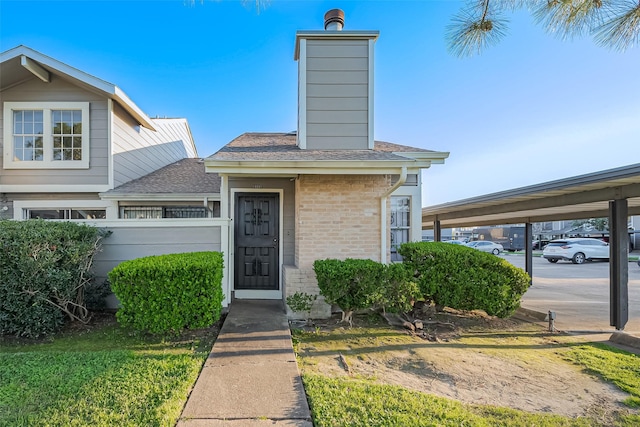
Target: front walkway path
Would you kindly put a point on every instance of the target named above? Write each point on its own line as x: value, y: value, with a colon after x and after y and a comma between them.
x: 251, y: 377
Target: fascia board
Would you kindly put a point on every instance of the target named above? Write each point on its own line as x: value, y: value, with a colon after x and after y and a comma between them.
x: 280, y: 169
x: 435, y: 157
x: 181, y: 197
x: 329, y: 35
x: 108, y: 89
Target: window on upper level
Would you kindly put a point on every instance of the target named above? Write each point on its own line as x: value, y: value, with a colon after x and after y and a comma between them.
x: 46, y: 135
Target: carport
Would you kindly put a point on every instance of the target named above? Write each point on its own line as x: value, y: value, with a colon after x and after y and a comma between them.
x: 612, y: 193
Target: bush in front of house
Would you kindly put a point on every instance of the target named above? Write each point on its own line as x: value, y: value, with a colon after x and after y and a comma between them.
x: 356, y: 284
x: 44, y: 269
x: 351, y: 284
x: 165, y: 294
x: 464, y: 278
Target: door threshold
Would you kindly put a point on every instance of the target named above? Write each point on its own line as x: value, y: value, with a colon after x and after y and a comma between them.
x: 256, y: 294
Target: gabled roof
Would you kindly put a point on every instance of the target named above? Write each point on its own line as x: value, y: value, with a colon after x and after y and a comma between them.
x: 183, y: 179
x: 23, y: 63
x: 274, y: 153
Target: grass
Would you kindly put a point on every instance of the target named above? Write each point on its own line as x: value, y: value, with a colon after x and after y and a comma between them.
x: 616, y: 366
x: 102, y: 377
x: 337, y: 399
x: 340, y: 402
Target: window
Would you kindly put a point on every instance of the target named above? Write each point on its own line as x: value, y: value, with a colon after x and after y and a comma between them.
x: 157, y: 212
x: 46, y: 135
x: 64, y: 213
x: 400, y: 224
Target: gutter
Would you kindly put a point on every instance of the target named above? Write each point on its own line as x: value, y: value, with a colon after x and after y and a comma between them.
x: 383, y: 213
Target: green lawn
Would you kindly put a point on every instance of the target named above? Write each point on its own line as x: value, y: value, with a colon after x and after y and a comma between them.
x: 104, y: 377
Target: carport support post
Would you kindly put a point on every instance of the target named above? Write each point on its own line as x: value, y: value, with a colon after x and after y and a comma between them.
x: 528, y: 250
x: 437, y: 231
x: 619, y: 263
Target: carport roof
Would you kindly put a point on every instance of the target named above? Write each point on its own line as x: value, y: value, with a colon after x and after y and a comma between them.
x: 578, y: 197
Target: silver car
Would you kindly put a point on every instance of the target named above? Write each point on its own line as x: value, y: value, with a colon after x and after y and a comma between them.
x: 486, y: 246
x: 577, y: 250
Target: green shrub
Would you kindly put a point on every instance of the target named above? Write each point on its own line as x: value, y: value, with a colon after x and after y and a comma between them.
x: 352, y: 284
x: 168, y: 293
x: 464, y: 278
x: 44, y: 268
x: 398, y: 289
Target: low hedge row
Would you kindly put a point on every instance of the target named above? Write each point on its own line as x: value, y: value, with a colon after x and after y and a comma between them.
x: 448, y: 275
x: 165, y: 294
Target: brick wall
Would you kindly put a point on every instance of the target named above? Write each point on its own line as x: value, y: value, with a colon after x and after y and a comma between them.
x: 337, y: 217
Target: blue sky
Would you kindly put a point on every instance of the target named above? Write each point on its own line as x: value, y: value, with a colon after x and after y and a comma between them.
x: 531, y: 109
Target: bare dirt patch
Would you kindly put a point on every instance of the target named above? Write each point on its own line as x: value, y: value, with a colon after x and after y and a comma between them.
x: 470, y: 357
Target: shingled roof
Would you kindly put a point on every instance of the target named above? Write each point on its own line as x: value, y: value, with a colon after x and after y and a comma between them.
x: 186, y: 176
x: 283, y: 147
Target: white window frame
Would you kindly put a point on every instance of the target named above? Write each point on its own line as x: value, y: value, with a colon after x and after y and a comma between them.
x: 47, y: 162
x: 403, y: 227
x: 21, y: 208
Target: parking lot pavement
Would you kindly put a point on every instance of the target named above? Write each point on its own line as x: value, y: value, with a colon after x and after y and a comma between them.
x: 578, y: 294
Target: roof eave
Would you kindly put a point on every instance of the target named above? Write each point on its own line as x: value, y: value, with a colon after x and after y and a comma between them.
x: 317, y: 167
x: 107, y: 89
x: 114, y: 195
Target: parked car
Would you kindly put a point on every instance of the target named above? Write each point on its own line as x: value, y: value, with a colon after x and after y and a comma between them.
x: 486, y: 246
x: 455, y: 242
x: 577, y: 250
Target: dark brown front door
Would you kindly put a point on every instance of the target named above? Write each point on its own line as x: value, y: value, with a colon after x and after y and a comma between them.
x: 256, y: 241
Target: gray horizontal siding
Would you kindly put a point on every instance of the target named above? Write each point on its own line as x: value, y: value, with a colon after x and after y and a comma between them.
x: 129, y: 243
x: 337, y: 94
x: 60, y: 90
x: 337, y: 49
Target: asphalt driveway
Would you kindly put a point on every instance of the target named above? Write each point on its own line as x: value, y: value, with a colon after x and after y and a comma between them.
x: 579, y: 294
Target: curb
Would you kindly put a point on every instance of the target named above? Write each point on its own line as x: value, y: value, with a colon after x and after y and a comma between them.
x: 625, y: 339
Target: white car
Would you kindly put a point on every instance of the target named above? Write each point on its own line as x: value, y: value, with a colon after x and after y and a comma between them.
x: 577, y: 250
x: 486, y: 246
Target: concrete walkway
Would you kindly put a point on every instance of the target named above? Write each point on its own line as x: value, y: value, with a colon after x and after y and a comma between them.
x: 251, y: 377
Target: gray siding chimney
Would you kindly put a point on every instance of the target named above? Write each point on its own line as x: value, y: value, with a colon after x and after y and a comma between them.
x: 335, y: 86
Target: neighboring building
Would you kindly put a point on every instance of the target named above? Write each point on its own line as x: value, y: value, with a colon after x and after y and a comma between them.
x: 68, y: 136
x: 328, y: 190
x: 75, y: 147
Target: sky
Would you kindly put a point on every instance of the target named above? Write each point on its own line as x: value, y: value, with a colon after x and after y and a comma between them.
x: 532, y: 109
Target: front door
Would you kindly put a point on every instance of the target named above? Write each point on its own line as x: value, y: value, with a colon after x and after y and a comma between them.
x: 256, y: 242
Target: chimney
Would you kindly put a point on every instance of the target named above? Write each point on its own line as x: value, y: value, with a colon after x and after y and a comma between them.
x: 334, y: 20
x: 335, y: 86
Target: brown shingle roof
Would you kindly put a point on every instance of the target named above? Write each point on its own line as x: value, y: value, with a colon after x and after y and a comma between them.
x: 282, y: 147
x: 186, y: 176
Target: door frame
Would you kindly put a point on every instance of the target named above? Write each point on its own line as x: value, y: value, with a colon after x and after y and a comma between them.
x: 248, y: 293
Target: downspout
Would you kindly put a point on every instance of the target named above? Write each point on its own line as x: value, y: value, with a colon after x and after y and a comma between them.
x: 383, y: 213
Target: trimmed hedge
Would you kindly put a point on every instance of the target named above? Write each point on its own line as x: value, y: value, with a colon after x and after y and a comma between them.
x: 168, y: 293
x: 464, y: 278
x: 351, y: 284
x: 355, y: 284
x: 44, y: 268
